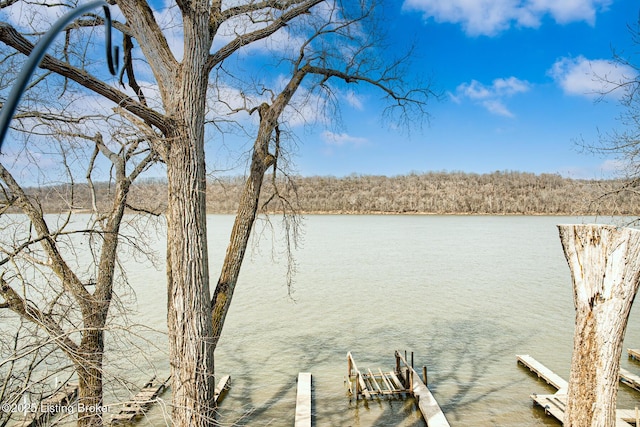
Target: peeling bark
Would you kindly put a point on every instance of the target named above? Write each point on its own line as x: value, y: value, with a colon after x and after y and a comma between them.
x: 605, y: 268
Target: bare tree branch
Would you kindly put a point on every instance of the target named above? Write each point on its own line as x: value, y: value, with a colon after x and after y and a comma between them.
x: 261, y: 33
x: 12, y: 38
x: 17, y: 304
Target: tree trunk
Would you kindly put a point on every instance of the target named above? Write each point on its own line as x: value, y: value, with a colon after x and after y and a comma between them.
x: 89, y: 369
x: 189, y: 309
x: 605, y: 268
x: 189, y: 313
x: 261, y: 160
x: 240, y: 233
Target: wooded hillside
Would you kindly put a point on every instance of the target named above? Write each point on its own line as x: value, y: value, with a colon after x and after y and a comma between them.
x: 433, y: 192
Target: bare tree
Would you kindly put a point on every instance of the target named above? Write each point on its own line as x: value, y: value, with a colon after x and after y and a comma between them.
x: 32, y: 368
x: 337, y: 43
x: 319, y: 61
x: 622, y: 144
x: 45, y: 279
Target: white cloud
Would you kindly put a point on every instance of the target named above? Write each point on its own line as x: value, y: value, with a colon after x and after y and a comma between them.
x: 339, y: 139
x: 590, y: 78
x: 492, y: 97
x: 497, y: 107
x: 353, y: 100
x: 490, y: 17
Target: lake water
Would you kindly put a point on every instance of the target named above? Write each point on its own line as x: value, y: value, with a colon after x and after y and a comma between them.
x: 464, y: 293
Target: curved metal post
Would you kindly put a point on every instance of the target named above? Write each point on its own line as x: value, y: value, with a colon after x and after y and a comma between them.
x: 6, y: 114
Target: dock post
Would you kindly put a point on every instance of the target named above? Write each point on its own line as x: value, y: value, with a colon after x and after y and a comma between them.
x: 424, y: 374
x: 412, y: 359
x: 397, y: 363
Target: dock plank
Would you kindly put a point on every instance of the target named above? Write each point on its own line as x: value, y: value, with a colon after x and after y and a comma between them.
x: 633, y: 353
x: 51, y: 405
x: 386, y: 381
x: 374, y: 383
x: 303, y: 400
x: 396, y: 381
x: 221, y: 387
x: 359, y: 380
x: 543, y: 372
x: 555, y: 405
x: 427, y: 404
x: 137, y: 406
x: 626, y: 415
x: 630, y: 379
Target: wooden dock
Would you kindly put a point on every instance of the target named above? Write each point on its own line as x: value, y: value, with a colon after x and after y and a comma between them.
x: 370, y: 384
x: 629, y: 379
x: 543, y: 372
x: 555, y: 404
x: 149, y: 394
x: 633, y: 353
x: 222, y: 386
x: 303, y: 400
x: 402, y: 382
x: 428, y: 405
x: 50, y: 406
x: 140, y: 402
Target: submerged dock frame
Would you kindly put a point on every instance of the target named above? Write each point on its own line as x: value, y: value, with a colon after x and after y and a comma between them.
x: 401, y: 382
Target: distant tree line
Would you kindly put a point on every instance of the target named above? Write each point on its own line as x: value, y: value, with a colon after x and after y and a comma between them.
x: 498, y: 193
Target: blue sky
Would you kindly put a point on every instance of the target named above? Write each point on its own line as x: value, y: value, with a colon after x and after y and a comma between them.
x: 518, y: 84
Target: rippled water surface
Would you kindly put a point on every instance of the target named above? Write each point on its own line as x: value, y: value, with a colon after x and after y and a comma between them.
x: 464, y: 293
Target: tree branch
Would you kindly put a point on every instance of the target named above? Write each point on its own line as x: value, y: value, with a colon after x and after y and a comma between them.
x: 127, y: 46
x: 10, y: 37
x: 70, y: 281
x: 261, y: 33
x: 18, y: 305
x: 151, y: 40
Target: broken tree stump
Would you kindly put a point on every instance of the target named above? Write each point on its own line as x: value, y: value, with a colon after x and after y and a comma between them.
x: 605, y: 270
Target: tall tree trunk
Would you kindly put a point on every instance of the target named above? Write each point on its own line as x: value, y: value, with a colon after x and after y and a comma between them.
x: 189, y: 309
x: 189, y: 314
x: 605, y: 268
